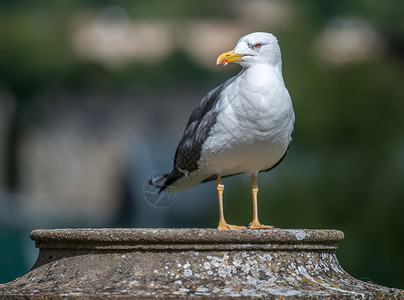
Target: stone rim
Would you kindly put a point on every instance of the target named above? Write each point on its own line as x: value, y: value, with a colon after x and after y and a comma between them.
x: 187, y: 239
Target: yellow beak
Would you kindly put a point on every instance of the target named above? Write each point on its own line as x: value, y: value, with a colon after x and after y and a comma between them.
x: 227, y: 57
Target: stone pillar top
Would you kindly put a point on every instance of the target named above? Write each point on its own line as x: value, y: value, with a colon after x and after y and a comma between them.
x: 187, y: 238
x: 191, y: 264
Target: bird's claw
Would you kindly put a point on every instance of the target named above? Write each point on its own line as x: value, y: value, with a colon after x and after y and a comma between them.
x: 225, y: 226
x: 258, y: 225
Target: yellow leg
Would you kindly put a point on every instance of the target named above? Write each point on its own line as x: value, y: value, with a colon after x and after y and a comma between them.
x: 222, y: 222
x: 255, y: 224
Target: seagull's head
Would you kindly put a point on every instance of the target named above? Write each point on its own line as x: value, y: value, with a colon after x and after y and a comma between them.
x: 254, y: 48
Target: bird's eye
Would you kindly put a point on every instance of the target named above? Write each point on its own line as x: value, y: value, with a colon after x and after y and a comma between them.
x: 257, y: 46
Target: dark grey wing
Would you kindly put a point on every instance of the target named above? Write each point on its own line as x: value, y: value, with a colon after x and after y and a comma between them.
x: 197, y: 131
x: 206, y: 106
x: 189, y: 149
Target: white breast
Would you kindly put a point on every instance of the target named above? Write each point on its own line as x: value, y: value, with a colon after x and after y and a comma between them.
x: 254, y: 124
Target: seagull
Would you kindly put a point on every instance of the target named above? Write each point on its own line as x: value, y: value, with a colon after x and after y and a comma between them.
x: 244, y: 125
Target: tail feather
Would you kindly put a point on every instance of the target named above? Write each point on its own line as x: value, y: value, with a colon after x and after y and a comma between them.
x: 158, y: 182
x: 167, y: 180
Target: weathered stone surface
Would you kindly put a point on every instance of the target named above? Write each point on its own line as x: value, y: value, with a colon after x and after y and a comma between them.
x: 194, y: 263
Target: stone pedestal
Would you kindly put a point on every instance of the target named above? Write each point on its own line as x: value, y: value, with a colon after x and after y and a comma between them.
x: 194, y: 263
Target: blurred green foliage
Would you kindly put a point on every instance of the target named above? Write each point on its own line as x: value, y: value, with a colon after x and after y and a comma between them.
x: 345, y: 168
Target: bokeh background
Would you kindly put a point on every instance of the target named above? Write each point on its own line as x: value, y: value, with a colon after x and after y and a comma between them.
x: 94, y: 96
